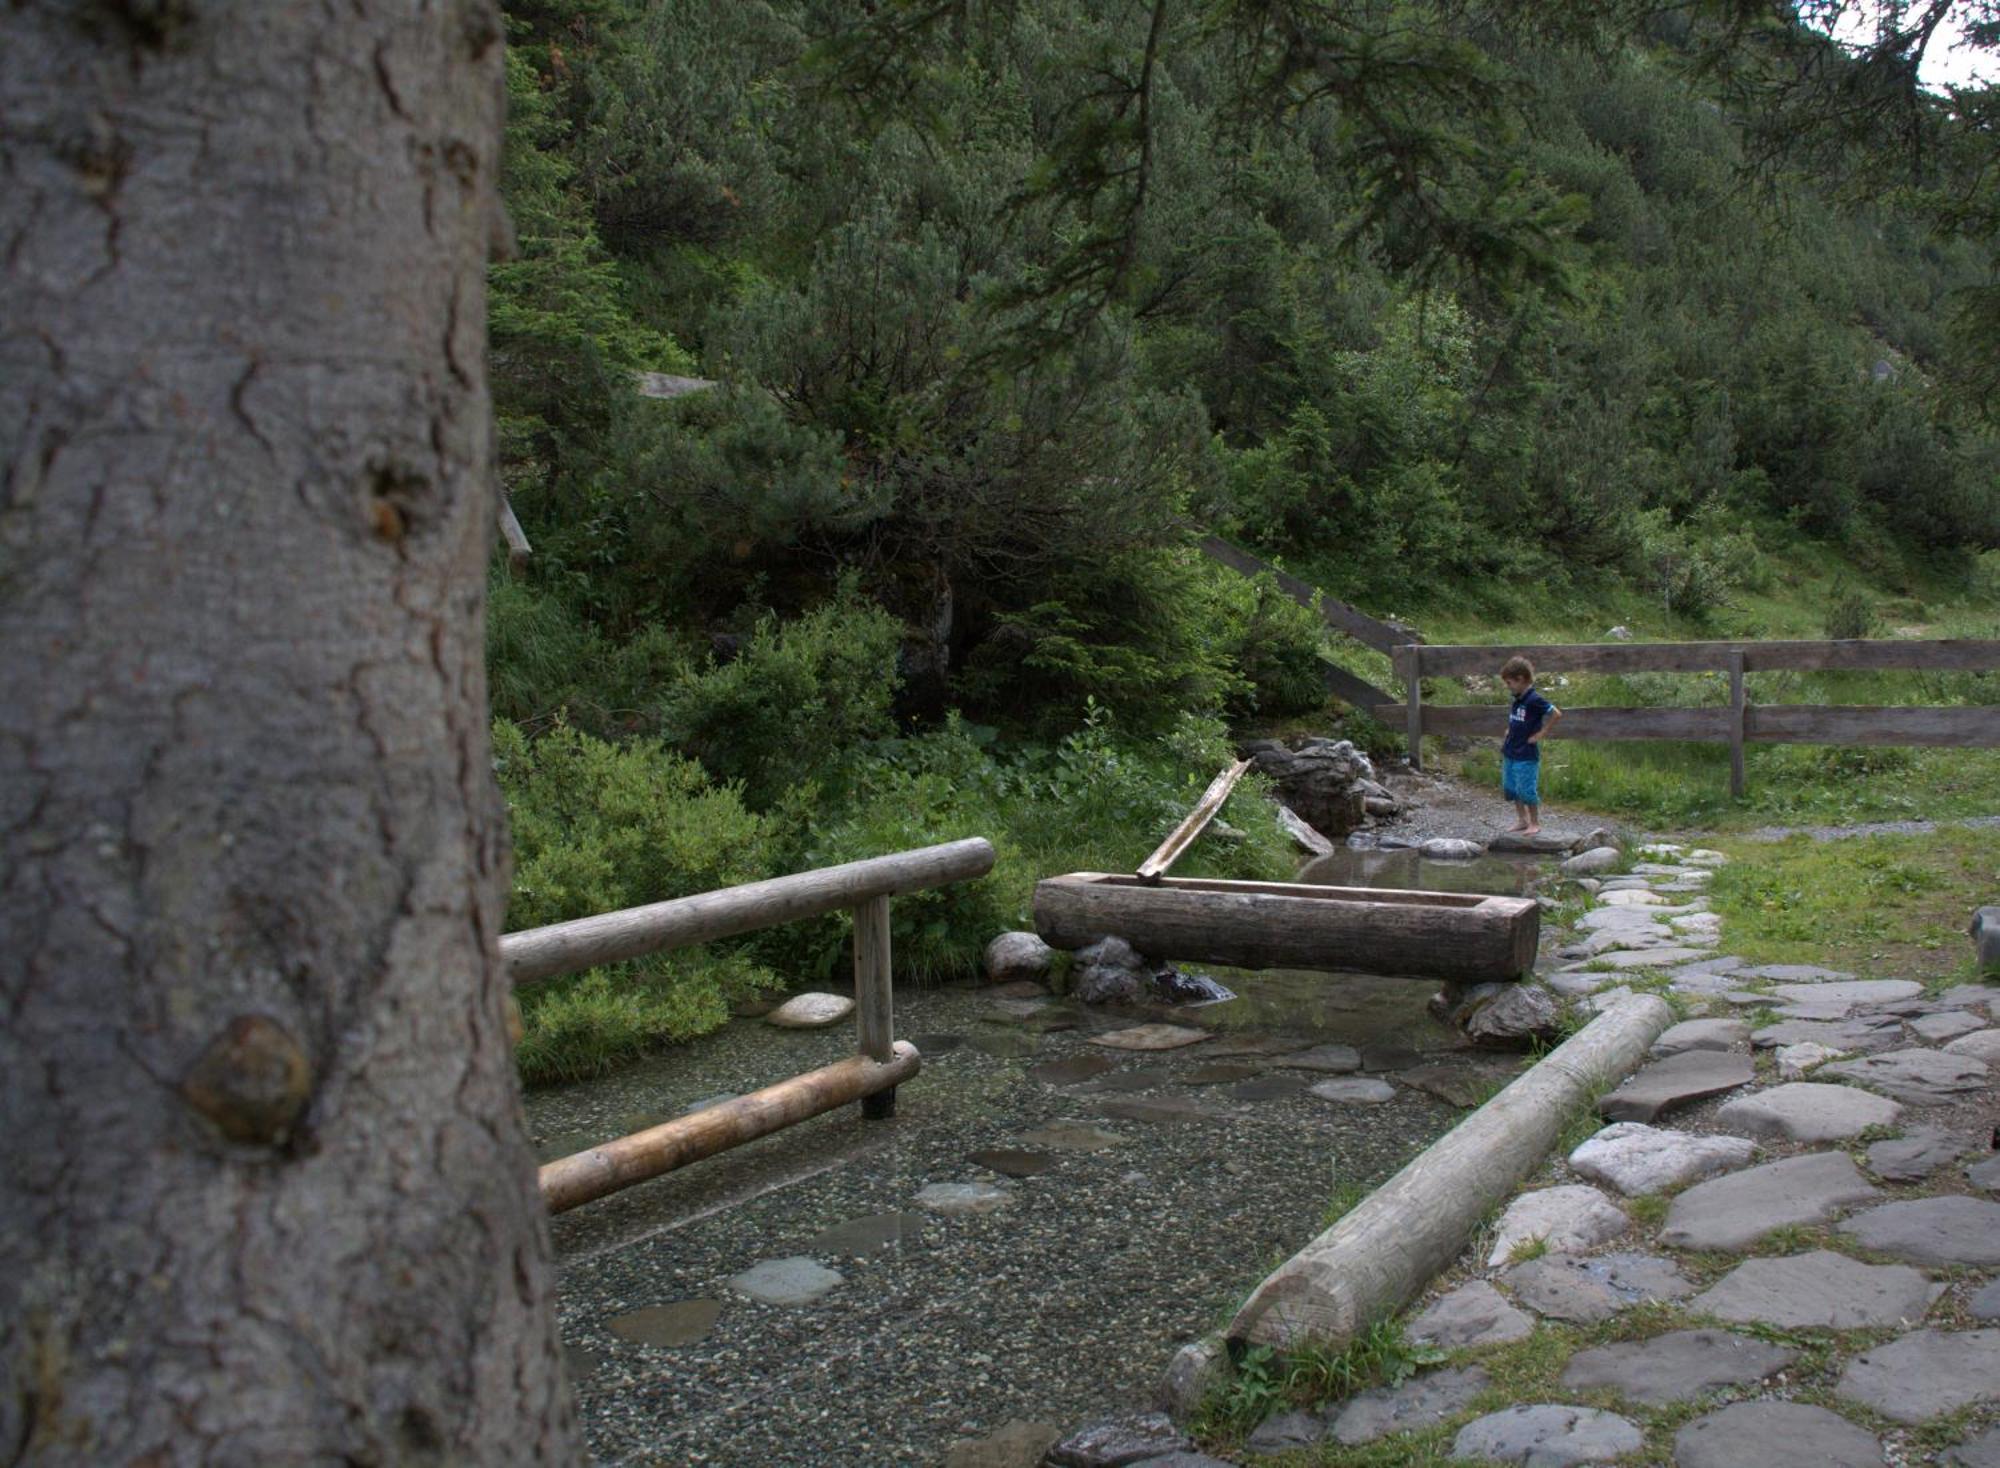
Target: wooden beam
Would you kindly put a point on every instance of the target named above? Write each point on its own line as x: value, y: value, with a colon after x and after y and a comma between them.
x: 1962, y: 654
x: 561, y: 948
x: 1765, y: 723
x: 874, y: 995
x: 1380, y: 635
x: 1192, y: 824
x: 1385, y: 1252
x: 1295, y: 925
x: 1408, y: 668
x: 667, y: 385
x: 1736, y: 725
x: 1349, y: 689
x: 518, y: 549
x: 592, y: 1174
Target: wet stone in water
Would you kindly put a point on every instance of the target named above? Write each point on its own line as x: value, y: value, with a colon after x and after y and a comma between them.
x: 1163, y: 1109
x: 683, y: 1323
x: 932, y: 1046
x: 1145, y: 1078
x: 1269, y: 1088
x: 1074, y: 1136
x: 794, y: 1281
x: 869, y: 1235
x: 1218, y: 1075
x: 1151, y: 1037
x: 1336, y: 1059
x: 1355, y: 1090
x: 1459, y: 1085
x: 1014, y: 1162
x: 958, y: 1199
x: 1004, y: 1044
x: 581, y: 1365
x: 1072, y: 1069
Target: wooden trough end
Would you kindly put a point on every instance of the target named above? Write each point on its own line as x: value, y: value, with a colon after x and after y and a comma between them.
x: 1378, y: 930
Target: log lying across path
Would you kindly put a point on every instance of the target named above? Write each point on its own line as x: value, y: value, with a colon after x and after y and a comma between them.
x: 1383, y: 1254
x: 1377, y: 930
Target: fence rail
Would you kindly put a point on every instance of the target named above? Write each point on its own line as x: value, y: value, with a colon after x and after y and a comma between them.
x: 1736, y: 724
x: 870, y: 1077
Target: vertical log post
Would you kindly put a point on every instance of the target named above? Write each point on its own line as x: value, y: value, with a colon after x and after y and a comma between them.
x: 1736, y: 780
x: 874, y: 997
x: 1409, y: 666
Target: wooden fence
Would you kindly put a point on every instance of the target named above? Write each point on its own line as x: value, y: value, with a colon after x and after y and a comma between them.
x: 1738, y: 723
x: 870, y: 1077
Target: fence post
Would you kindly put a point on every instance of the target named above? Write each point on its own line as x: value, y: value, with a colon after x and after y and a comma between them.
x: 874, y: 997
x: 1409, y: 664
x: 1736, y: 780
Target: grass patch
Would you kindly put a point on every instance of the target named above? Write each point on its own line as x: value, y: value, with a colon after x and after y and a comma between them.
x: 1889, y: 903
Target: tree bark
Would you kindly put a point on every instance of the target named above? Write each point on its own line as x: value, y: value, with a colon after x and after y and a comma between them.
x: 265, y: 1195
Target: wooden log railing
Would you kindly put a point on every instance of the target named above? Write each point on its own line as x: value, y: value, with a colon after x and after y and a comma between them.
x: 1737, y: 724
x: 870, y: 1077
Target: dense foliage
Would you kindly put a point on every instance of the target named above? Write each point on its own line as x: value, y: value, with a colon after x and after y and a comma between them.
x: 1002, y: 301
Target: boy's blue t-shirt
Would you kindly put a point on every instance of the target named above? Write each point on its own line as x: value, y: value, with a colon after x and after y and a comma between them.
x: 1525, y: 718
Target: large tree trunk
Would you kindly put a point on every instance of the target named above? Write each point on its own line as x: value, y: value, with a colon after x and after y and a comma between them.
x: 264, y: 1191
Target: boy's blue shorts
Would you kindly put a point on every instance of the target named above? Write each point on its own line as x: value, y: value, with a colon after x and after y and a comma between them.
x: 1519, y: 780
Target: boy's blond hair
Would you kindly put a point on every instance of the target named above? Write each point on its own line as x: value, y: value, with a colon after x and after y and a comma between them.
x: 1518, y: 667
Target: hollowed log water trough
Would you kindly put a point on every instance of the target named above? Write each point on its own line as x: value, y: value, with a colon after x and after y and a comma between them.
x: 1467, y: 937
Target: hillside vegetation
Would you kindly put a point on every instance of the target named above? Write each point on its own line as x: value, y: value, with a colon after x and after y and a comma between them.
x: 1470, y: 321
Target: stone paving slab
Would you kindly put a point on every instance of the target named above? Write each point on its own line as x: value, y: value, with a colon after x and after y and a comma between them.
x: 1852, y: 991
x: 1676, y: 1081
x: 1677, y: 1365
x: 1980, y: 1045
x: 1915, y: 1155
x: 1565, y: 1219
x: 1916, y: 1077
x: 1775, y: 1435
x: 1548, y: 1436
x: 1637, y: 1159
x: 1702, y: 1034
x: 1947, y: 1230
x: 1151, y: 1037
x: 1938, y: 1028
x: 1805, y: 1111
x: 1418, y: 1402
x: 1982, y: 1451
x: 1985, y: 1175
x: 1474, y: 1314
x: 1985, y: 1302
x: 1565, y: 1287
x: 1821, y: 1288
x: 1862, y: 1033
x: 1795, y: 973
x: 1925, y: 1374
x: 1117, y: 1443
x: 1733, y: 1212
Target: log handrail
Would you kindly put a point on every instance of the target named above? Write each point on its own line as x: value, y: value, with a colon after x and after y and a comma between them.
x: 1959, y: 654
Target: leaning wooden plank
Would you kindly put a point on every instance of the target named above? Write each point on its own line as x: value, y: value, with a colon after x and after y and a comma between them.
x: 583, y: 1176
x: 1337, y: 614
x: 667, y: 385
x: 1192, y: 824
x: 632, y: 932
x: 1942, y: 654
x: 518, y: 549
x: 1349, y: 689
x: 1976, y: 727
x: 1432, y: 935
x: 1381, y: 1255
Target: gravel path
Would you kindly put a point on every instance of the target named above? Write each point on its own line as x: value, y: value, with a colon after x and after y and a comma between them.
x: 1868, y: 828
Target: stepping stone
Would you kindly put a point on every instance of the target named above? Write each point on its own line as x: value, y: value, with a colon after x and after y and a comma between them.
x: 957, y: 1200
x: 1733, y: 1212
x: 1925, y: 1374
x: 1812, y: 1010
x: 1593, y: 862
x: 1474, y: 1314
x: 1975, y: 1452
x: 1021, y: 1008
x: 1726, y: 964
x: 1219, y: 1075
x: 1004, y: 1044
x: 1916, y: 1155
x: 1703, y: 1034
x: 1643, y: 897
x: 1775, y: 1435
x: 1018, y: 988
x: 871, y: 1235
x: 811, y: 1012
x: 1985, y: 1302
x: 1145, y: 1078
x: 1151, y: 1037
x: 1820, y: 1289
x: 1596, y: 1288
x: 1676, y: 1081
x: 1794, y: 973
x: 1123, y: 1440
x: 1676, y: 1366
x: 1161, y: 1110
x: 1612, y: 940
x: 1642, y: 958
x: 932, y: 1046
x: 1702, y: 857
x: 683, y: 1323
x: 1598, y: 1003
x: 1419, y: 1402
x: 1567, y: 1219
x: 1548, y: 1435
x: 1602, y: 919
x: 1462, y: 1086
x: 580, y: 1365
x: 1070, y: 1070
x: 1355, y: 1090
x: 1795, y: 1062
x: 1804, y: 1111
x: 1949, y: 1230
x: 1855, y: 991
x: 1637, y: 1159
x: 1074, y: 1136
x: 1985, y: 1175
x: 1013, y: 1161
x: 1982, y: 1045
x: 1860, y: 1034
x: 1289, y: 1430
x: 794, y: 1281
x: 1233, y: 1045
x: 1938, y: 1028
x: 1918, y: 1077
x: 1541, y: 843
x: 1269, y: 1088
x: 1013, y: 1444
x: 1334, y: 1059
x: 1389, y: 1057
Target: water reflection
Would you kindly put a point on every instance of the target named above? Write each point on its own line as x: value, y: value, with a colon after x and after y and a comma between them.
x: 1349, y: 867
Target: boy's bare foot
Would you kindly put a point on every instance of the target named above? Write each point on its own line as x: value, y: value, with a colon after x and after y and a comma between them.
x: 1518, y: 828
x: 1529, y: 830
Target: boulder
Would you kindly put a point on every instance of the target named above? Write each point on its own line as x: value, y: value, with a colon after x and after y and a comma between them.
x: 811, y: 1011
x: 1501, y: 1016
x: 1013, y: 958
x: 1450, y: 848
x: 1111, y: 971
x: 1320, y: 779
x: 1594, y: 862
x: 1985, y: 930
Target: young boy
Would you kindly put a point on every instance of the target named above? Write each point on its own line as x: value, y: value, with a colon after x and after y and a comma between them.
x: 1528, y: 720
